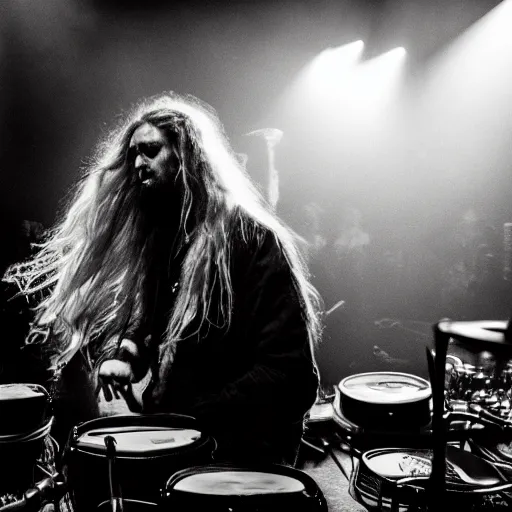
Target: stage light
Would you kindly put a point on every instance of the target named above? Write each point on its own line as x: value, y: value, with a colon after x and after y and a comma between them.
x: 396, y: 54
x: 332, y: 68
x: 375, y: 82
x: 399, y: 52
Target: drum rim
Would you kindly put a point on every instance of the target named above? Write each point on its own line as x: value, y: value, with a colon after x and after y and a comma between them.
x: 135, y: 419
x: 147, y: 420
x: 131, y: 500
x: 422, y: 394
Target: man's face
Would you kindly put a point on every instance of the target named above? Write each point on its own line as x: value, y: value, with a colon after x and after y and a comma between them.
x: 153, y: 158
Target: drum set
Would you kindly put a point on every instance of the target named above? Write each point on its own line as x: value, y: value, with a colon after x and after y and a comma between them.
x: 131, y: 463
x: 385, y: 422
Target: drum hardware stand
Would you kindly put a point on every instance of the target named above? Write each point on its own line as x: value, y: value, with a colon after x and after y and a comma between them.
x: 116, y: 497
x: 319, y: 442
x: 328, y: 449
x: 33, y: 496
x: 47, y: 487
x: 346, y: 445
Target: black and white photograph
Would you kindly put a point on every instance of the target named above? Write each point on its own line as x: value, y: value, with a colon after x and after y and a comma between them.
x: 255, y: 255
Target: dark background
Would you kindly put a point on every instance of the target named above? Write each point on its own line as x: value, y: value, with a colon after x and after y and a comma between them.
x: 431, y: 186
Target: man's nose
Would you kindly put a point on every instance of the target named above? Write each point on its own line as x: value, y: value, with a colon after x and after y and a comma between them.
x: 139, y: 162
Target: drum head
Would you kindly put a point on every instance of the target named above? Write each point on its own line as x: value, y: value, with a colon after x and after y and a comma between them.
x: 137, y: 440
x: 244, y: 489
x: 241, y: 483
x: 21, y: 391
x: 386, y: 388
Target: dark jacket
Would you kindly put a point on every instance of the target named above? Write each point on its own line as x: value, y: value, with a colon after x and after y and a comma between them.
x: 250, y: 385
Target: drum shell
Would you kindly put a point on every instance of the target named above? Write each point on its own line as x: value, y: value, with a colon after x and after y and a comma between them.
x: 23, y: 414
x: 141, y: 476
x: 309, y: 500
x: 380, y: 417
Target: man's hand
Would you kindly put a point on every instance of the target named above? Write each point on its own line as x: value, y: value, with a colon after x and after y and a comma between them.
x: 115, y: 378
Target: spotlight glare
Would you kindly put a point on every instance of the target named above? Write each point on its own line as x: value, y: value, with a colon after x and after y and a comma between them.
x: 358, y: 45
x: 397, y: 53
x: 346, y: 55
x: 332, y: 67
x: 400, y: 51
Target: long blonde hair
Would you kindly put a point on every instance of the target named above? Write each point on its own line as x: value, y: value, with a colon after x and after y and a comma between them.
x: 96, y: 259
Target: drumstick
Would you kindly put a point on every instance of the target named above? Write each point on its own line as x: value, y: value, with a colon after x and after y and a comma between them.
x: 335, y: 307
x: 116, y: 498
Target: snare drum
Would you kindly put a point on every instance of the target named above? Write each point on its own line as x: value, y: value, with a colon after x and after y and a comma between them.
x: 148, y: 449
x: 224, y: 488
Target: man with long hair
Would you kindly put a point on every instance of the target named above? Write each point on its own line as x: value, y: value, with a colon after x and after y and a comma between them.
x: 168, y: 264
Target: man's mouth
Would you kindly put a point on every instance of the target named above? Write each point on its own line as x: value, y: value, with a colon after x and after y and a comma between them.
x: 146, y: 178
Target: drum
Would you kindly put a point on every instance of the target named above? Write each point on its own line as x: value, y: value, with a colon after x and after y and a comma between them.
x: 224, y: 488
x: 25, y: 424
x: 148, y: 448
x: 385, y: 400
x: 23, y: 408
x: 396, y: 478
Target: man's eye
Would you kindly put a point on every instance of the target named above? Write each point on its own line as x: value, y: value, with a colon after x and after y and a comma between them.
x: 150, y: 150
x: 131, y: 155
